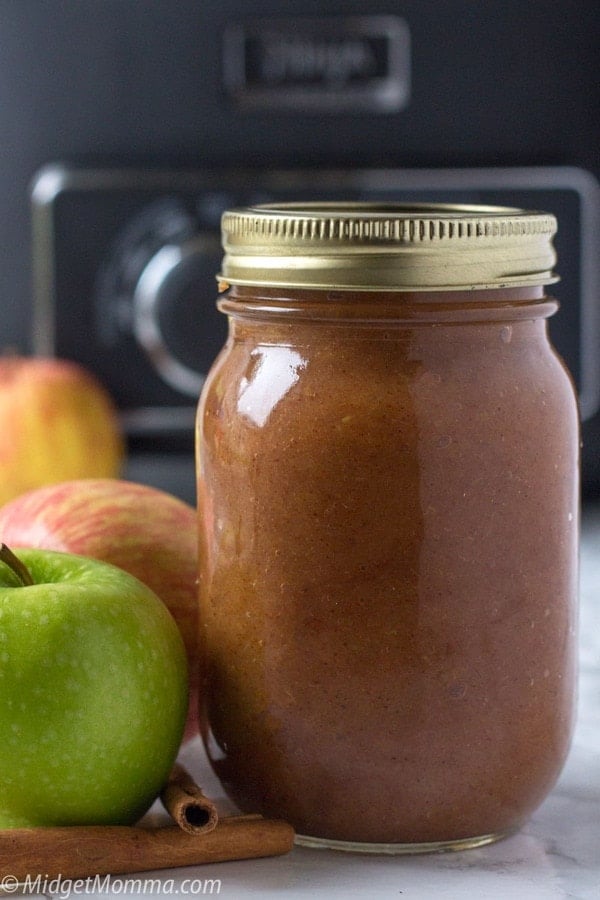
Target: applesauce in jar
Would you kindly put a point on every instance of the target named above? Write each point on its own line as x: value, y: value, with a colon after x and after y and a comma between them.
x: 387, y: 455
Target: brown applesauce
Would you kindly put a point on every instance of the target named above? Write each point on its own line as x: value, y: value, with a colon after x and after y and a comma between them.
x: 387, y: 483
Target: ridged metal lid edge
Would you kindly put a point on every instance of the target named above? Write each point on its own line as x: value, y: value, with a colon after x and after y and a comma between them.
x: 348, y: 246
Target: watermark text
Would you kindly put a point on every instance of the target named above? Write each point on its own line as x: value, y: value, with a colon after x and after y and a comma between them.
x: 65, y: 888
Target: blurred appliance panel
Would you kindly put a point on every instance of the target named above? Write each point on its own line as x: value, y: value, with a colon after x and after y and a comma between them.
x: 128, y: 259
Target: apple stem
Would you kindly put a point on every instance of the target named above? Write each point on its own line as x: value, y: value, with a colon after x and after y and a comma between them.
x: 13, y: 562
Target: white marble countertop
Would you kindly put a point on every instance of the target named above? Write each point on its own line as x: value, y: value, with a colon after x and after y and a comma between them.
x: 556, y: 856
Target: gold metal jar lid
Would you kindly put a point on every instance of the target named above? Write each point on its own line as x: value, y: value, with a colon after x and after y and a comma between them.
x: 387, y: 246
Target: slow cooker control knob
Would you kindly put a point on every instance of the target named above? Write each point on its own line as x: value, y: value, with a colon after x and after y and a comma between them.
x: 167, y: 311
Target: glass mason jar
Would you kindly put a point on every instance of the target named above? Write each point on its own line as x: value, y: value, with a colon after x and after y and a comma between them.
x: 387, y: 456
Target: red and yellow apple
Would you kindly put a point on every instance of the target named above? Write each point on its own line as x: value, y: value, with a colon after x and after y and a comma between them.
x: 147, y: 532
x: 56, y: 422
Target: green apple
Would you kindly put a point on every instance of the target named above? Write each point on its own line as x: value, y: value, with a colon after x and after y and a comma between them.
x: 145, y: 531
x: 93, y: 691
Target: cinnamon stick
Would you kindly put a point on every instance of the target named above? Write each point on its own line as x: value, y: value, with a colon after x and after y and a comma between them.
x: 82, y: 851
x: 186, y: 804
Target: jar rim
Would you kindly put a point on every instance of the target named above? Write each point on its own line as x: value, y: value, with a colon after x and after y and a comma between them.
x: 387, y: 246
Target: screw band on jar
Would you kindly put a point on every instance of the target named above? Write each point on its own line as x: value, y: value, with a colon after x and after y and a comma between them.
x: 387, y: 247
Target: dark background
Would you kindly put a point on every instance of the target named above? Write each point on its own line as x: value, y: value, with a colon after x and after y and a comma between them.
x: 140, y: 83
